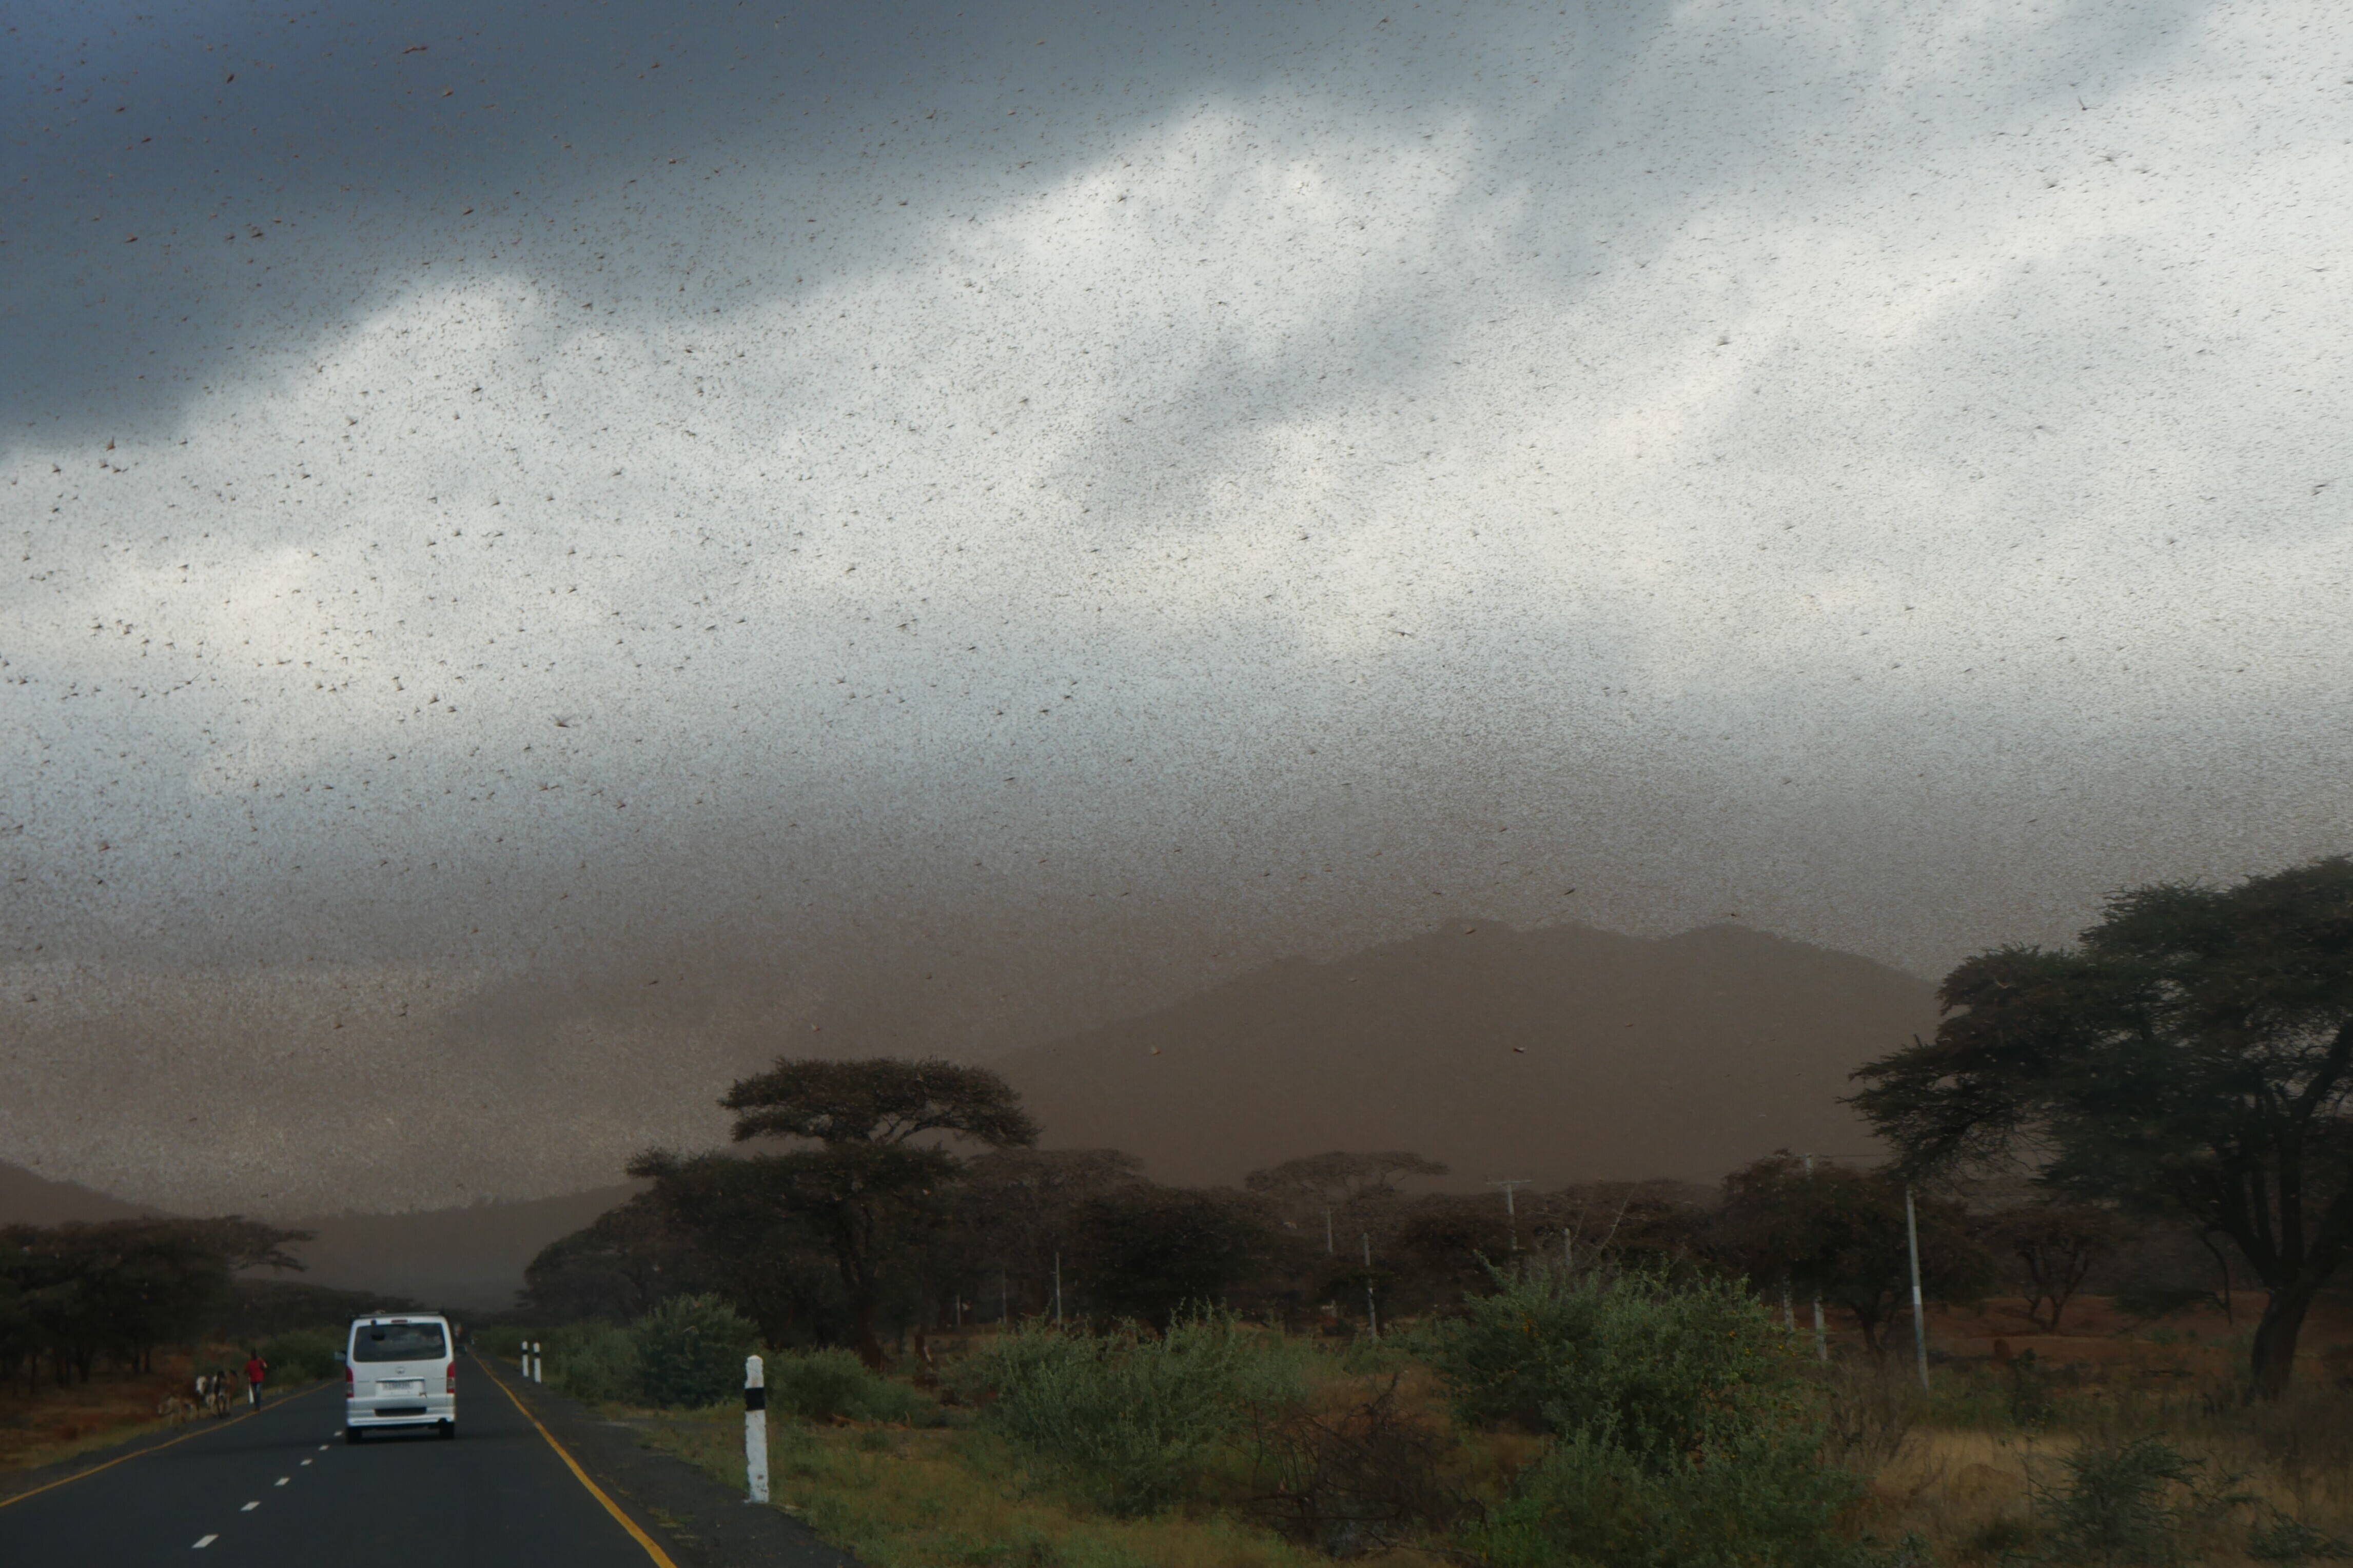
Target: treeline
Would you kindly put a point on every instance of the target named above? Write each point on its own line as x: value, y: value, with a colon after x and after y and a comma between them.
x: 854, y: 1240
x: 2181, y: 1079
x: 73, y: 1296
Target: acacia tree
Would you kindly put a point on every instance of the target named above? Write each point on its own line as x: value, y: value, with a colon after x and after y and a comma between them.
x: 1839, y: 1233
x: 2191, y: 1057
x: 621, y: 1265
x: 757, y: 1231
x: 867, y: 1178
x: 119, y: 1289
x: 1153, y: 1252
x: 1012, y: 1214
x: 1341, y: 1178
x: 2056, y: 1246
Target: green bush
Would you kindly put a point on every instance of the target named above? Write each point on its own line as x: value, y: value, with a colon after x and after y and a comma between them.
x: 690, y: 1351
x: 1661, y: 1369
x: 1761, y: 1501
x: 1686, y: 1434
x: 1132, y: 1422
x: 504, y: 1342
x: 303, y: 1355
x: 2134, y: 1501
x: 818, y: 1386
x: 593, y: 1361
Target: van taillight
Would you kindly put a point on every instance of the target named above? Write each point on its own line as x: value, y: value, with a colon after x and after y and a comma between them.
x: 452, y: 1389
x: 348, y: 1390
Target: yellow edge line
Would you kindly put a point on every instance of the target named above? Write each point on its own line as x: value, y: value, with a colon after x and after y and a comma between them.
x: 639, y: 1536
x: 156, y: 1448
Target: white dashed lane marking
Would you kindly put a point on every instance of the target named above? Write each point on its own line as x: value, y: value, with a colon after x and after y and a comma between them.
x: 306, y: 1461
x: 202, y: 1542
x: 248, y: 1508
x: 283, y: 1479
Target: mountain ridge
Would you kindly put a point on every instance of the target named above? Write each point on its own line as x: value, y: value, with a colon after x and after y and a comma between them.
x: 1557, y: 1053
x: 1562, y: 1052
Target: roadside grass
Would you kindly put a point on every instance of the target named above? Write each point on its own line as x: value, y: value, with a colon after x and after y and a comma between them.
x: 1983, y: 1472
x: 93, y: 1425
x: 1979, y: 1469
x: 950, y: 1498
x: 52, y: 1424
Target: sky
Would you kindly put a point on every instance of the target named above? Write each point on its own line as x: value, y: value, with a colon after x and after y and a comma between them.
x: 561, y: 554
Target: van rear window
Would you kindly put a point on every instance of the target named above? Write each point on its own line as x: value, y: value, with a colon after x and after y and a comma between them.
x: 398, y: 1341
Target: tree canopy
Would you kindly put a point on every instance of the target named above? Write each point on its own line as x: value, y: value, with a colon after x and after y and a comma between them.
x: 1340, y: 1176
x: 878, y: 1102
x: 2191, y: 1056
x: 864, y: 1189
x: 1840, y: 1233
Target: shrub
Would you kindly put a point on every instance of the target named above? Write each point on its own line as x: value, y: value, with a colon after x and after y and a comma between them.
x: 1759, y: 1501
x: 592, y: 1361
x: 1155, y: 1253
x: 1655, y: 1367
x: 690, y: 1351
x: 1868, y: 1413
x: 818, y: 1386
x: 2031, y: 1404
x: 303, y: 1355
x: 503, y: 1340
x: 1130, y: 1422
x: 2288, y: 1539
x: 1686, y: 1434
x: 2131, y: 1503
x: 1358, y: 1476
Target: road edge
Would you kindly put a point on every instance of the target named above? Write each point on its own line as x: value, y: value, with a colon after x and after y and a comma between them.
x: 89, y: 1461
x: 697, y: 1520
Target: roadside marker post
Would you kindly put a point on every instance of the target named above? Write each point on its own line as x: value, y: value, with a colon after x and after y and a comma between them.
x: 1919, y: 1311
x: 756, y: 1430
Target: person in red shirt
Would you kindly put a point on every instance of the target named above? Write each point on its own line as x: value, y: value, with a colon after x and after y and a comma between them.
x: 256, y: 1369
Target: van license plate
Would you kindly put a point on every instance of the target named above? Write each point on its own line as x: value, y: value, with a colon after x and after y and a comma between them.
x: 410, y: 1385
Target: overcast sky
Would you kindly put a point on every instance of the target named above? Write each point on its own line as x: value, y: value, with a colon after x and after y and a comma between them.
x: 561, y: 555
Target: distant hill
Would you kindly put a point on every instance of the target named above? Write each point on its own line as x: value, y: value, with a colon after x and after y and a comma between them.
x: 1681, y: 1056
x: 461, y: 1257
x: 28, y: 1199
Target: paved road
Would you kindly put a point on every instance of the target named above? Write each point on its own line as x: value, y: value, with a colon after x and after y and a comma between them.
x: 282, y: 1488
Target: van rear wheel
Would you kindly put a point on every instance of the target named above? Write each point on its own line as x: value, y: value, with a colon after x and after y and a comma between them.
x: 448, y: 1429
x: 352, y: 1435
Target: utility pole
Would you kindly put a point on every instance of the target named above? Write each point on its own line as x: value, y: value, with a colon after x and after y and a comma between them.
x: 1328, y: 1248
x: 1822, y: 1340
x: 1372, y: 1317
x: 1058, y: 1288
x: 1919, y: 1312
x: 1004, y: 1298
x: 1511, y: 1214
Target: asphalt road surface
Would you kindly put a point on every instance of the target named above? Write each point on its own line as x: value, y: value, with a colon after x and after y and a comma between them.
x: 282, y: 1488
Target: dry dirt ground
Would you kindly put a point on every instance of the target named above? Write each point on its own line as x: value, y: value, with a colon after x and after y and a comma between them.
x: 52, y: 1423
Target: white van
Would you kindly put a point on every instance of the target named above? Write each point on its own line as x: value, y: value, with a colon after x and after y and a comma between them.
x: 400, y: 1371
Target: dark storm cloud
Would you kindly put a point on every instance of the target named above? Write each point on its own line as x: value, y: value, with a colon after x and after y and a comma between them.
x: 358, y: 141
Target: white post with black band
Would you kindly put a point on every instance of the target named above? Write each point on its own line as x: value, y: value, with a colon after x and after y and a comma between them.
x: 756, y: 1430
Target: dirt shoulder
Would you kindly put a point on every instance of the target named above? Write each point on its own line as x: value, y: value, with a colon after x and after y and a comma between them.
x: 703, y: 1524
